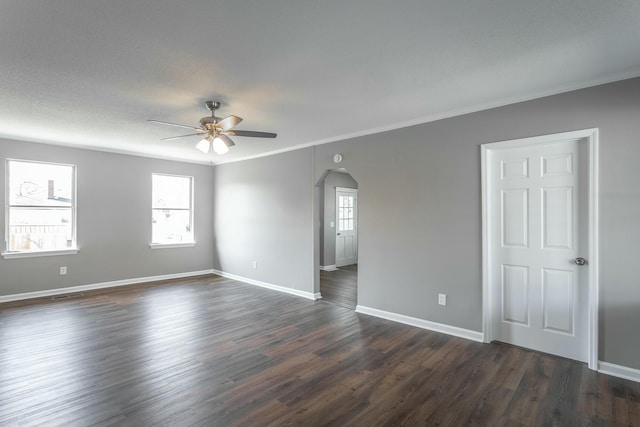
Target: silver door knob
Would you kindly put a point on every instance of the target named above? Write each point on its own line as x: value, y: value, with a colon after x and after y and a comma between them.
x: 338, y: 234
x: 580, y: 261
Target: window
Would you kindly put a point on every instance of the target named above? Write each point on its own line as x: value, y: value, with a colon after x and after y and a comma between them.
x: 345, y: 213
x: 172, y: 210
x: 40, y: 208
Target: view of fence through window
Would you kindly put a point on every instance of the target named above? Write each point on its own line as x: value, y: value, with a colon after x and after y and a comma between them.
x: 172, y: 217
x: 41, y: 206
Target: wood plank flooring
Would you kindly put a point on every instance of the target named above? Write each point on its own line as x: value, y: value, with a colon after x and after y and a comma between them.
x: 209, y: 351
x: 340, y: 286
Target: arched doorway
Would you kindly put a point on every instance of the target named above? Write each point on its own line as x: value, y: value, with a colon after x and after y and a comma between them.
x: 338, y: 237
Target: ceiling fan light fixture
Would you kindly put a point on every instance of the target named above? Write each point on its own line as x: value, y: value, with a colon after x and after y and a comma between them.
x: 219, y: 145
x: 215, y: 131
x: 204, y: 145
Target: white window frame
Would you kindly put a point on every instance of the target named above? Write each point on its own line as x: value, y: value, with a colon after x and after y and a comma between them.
x: 7, y: 220
x: 153, y: 245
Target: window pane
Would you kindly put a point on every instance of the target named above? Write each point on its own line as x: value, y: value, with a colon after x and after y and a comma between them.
x: 171, y: 226
x: 171, y: 192
x: 40, y: 184
x: 40, y: 229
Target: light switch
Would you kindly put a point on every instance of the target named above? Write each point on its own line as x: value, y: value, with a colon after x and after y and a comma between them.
x: 442, y: 299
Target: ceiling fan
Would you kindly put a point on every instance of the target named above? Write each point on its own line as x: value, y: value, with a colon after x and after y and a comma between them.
x: 215, y: 131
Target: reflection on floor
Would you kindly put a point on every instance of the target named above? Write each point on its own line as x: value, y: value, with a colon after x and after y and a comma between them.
x: 340, y: 286
x: 210, y: 351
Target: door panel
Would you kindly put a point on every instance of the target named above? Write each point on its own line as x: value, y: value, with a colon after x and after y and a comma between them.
x: 515, y: 218
x: 557, y: 217
x: 558, y: 303
x: 515, y: 294
x: 515, y: 168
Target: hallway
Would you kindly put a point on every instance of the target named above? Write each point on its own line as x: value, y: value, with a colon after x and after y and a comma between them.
x: 340, y: 286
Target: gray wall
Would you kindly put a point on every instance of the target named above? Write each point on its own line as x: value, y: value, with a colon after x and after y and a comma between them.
x: 328, y: 213
x: 419, y: 222
x: 263, y: 213
x: 114, y: 221
x: 420, y: 209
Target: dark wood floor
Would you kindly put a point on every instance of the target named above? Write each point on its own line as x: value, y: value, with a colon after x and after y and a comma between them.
x: 211, y: 351
x: 340, y: 286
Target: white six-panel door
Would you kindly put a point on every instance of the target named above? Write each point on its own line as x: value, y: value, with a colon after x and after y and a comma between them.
x: 538, y: 196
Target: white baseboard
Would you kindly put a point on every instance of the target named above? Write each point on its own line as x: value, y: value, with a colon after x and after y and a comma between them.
x: 421, y: 323
x: 103, y: 285
x: 296, y: 292
x: 619, y: 371
x: 328, y: 267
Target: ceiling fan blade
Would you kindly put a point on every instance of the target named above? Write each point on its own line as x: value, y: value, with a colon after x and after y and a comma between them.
x: 182, y: 136
x: 226, y: 140
x: 252, y: 133
x: 229, y: 122
x: 174, y: 124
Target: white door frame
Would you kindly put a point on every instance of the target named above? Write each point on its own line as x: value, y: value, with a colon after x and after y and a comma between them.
x: 354, y: 191
x: 587, y: 136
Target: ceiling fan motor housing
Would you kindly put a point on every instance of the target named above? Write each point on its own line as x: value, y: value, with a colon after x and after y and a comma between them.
x: 209, y: 122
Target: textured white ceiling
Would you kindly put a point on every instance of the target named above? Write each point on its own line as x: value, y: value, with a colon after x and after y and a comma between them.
x: 90, y: 73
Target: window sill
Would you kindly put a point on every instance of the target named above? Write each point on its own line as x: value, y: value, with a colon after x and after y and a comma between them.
x: 171, y: 245
x: 12, y: 255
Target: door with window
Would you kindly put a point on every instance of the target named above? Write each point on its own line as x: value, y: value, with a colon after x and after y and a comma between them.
x: 346, y: 226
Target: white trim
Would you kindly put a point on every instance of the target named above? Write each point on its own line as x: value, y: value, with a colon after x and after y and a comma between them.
x: 421, y: 323
x: 331, y: 267
x: 619, y: 371
x: 591, y: 137
x: 435, y: 117
x: 296, y: 292
x: 317, y: 295
x: 487, y: 306
x: 342, y: 137
x: 123, y: 152
x: 103, y: 285
x: 13, y: 255
x: 171, y: 245
x: 594, y: 245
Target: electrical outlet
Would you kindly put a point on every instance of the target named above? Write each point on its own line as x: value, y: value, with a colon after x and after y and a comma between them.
x: 442, y: 299
x: 63, y: 271
x: 255, y: 264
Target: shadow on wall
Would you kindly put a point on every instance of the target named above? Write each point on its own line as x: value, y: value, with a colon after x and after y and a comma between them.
x: 626, y: 317
x: 215, y: 258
